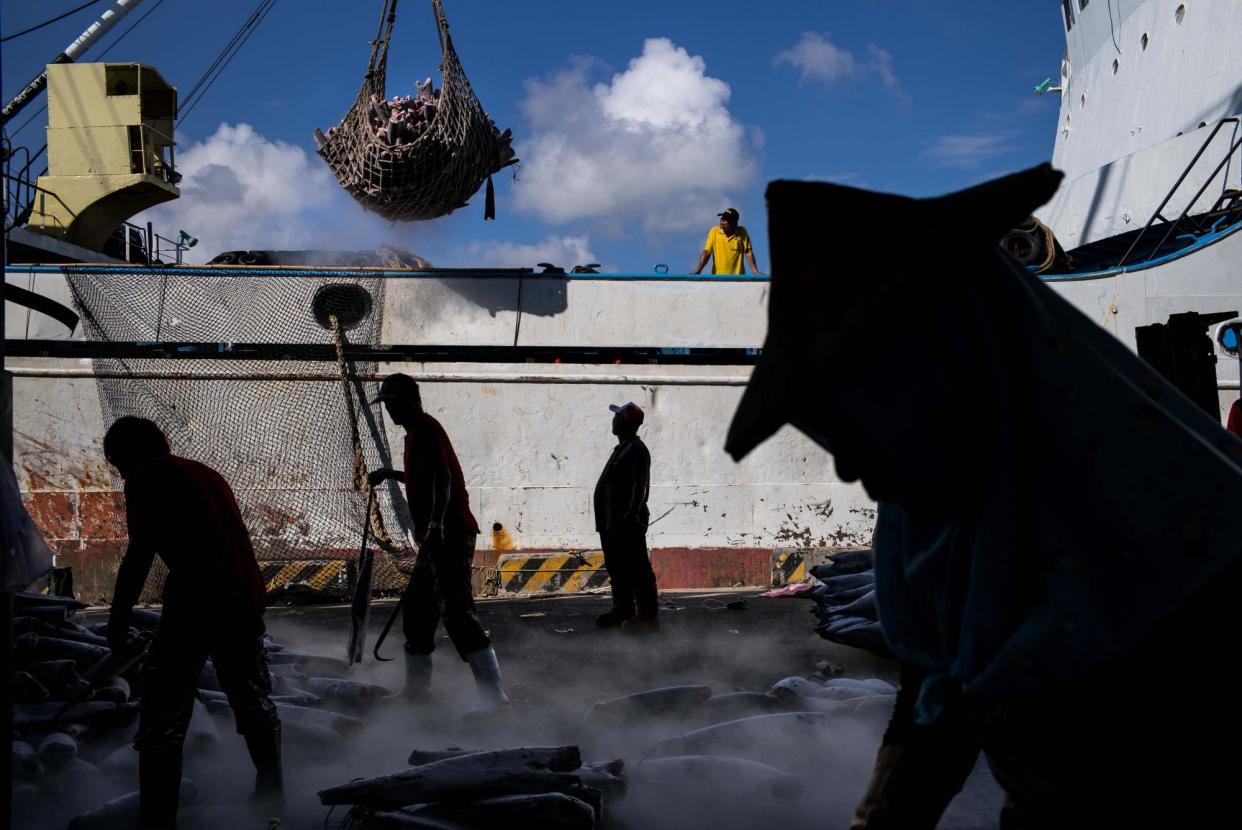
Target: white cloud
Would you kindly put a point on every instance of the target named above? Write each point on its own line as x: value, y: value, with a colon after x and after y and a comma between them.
x: 656, y: 144
x: 565, y: 251
x: 243, y: 191
x: 818, y: 59
x: 967, y: 150
x: 881, y: 64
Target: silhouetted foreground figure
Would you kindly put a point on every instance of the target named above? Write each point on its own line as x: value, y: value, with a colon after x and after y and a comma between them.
x: 445, y: 531
x: 213, y: 607
x: 621, y: 517
x: 1059, y: 537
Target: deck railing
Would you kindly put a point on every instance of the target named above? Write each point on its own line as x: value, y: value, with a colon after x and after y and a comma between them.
x: 1185, y: 216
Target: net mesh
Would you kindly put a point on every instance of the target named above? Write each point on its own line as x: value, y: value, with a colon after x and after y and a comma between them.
x: 439, y: 171
x: 240, y: 371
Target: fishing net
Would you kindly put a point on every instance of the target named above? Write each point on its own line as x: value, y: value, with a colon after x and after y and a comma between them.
x: 255, y: 376
x: 443, y: 167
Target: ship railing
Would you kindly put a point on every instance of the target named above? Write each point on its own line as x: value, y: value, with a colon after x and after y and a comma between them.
x: 1185, y: 216
x: 19, y: 186
x: 142, y: 245
x: 131, y: 243
x: 36, y: 206
x: 151, y: 158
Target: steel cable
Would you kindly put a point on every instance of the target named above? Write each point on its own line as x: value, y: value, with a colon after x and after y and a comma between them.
x: 39, y: 26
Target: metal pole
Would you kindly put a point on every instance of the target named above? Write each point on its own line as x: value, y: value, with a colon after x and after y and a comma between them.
x: 6, y: 599
x: 72, y: 52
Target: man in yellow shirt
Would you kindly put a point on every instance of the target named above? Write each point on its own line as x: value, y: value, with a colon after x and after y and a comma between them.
x: 725, y: 246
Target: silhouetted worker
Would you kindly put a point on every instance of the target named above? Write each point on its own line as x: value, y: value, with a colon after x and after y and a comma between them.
x: 1056, y: 521
x: 214, y: 600
x: 621, y: 517
x: 445, y: 531
x: 726, y: 244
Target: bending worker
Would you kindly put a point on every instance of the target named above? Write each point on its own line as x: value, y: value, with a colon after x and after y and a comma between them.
x: 445, y: 531
x: 214, y: 600
x: 726, y: 244
x: 621, y: 517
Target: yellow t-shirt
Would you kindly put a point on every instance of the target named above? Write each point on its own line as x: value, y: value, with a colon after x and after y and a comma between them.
x: 727, y: 251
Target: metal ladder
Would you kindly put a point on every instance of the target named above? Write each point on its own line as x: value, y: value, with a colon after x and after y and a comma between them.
x: 1198, y: 225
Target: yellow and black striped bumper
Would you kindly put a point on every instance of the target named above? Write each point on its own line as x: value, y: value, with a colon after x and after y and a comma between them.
x: 325, y: 575
x: 536, y: 573
x: 791, y: 565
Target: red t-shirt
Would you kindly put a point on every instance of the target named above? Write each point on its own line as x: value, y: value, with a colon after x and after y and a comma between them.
x: 186, y: 512
x: 427, y: 448
x: 1234, y: 424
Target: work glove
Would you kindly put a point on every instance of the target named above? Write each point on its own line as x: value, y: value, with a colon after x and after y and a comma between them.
x: 377, y: 477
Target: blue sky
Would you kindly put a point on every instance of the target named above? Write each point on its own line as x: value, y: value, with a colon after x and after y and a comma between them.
x: 635, y: 123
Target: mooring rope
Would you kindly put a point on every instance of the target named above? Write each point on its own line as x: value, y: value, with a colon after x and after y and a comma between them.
x: 360, y: 483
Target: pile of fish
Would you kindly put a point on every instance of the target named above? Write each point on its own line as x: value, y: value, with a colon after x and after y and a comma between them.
x: 76, y: 708
x: 527, y: 787
x: 845, y: 602
x: 64, y: 725
x: 749, y: 739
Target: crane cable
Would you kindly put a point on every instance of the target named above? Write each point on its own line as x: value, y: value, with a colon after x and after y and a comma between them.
x: 102, y: 54
x: 39, y: 26
x: 223, y: 59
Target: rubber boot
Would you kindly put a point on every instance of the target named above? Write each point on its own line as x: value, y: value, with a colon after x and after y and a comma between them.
x: 647, y: 599
x: 614, y: 616
x: 486, y: 670
x: 417, y: 678
x: 159, y: 787
x: 622, y: 602
x: 269, y: 778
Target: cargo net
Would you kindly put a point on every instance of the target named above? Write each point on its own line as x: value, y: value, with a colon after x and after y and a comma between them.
x: 250, y: 374
x: 441, y: 168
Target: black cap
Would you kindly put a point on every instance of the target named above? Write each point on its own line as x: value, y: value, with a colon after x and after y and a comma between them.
x: 396, y: 387
x: 730, y: 213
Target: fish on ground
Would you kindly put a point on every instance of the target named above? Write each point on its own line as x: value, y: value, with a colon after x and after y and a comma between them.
x: 474, y: 777
x: 652, y: 702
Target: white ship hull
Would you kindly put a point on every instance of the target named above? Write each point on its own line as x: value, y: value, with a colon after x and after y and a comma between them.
x: 532, y: 437
x: 1144, y: 86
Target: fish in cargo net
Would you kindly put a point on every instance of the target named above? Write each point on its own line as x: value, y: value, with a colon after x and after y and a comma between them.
x: 433, y: 151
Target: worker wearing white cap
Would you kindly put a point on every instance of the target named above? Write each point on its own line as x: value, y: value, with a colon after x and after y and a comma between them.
x: 621, y: 517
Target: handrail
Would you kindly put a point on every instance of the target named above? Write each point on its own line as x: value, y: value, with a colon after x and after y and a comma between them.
x: 1173, y: 226
x: 34, y: 187
x: 16, y: 207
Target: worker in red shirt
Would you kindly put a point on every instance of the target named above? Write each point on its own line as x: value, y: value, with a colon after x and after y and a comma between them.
x: 445, y: 531
x: 213, y: 607
x: 1234, y: 424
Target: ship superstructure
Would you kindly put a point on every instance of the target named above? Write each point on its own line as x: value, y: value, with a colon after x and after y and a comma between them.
x: 1150, y: 141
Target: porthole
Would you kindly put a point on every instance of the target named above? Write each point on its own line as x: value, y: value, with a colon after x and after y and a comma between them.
x: 1180, y: 14
x: 1229, y: 335
x: 1116, y: 66
x: 1143, y: 41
